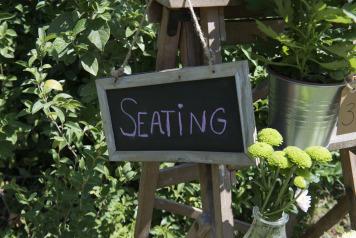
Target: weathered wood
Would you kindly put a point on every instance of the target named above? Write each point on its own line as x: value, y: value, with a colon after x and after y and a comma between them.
x: 222, y: 215
x: 234, y: 11
x: 177, y: 208
x: 210, y: 23
x: 348, y: 161
x: 206, y: 193
x: 155, y: 12
x: 150, y: 170
x: 239, y: 158
x: 178, y: 174
x: 242, y: 32
x: 174, y: 75
x: 190, y: 47
x: 244, y: 94
x: 329, y: 220
x: 200, y: 228
x: 198, y: 3
x: 167, y: 45
x: 146, y: 194
x: 222, y: 26
x: 242, y: 11
x: 205, y: 172
x: 192, y: 212
x: 192, y: 56
x: 342, y: 141
x: 222, y: 194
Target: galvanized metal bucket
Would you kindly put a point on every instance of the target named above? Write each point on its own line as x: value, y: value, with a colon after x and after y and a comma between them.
x: 304, y: 113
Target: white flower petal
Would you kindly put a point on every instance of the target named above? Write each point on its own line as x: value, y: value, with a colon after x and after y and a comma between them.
x: 351, y: 234
x: 303, y: 200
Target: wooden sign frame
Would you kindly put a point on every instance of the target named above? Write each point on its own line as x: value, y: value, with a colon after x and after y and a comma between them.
x: 243, y: 87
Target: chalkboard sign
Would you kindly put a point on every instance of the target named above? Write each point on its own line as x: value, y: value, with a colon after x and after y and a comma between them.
x: 196, y: 114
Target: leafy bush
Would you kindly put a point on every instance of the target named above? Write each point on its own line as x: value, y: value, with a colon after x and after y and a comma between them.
x: 55, y: 176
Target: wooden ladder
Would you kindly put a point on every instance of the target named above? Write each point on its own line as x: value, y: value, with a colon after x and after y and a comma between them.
x: 215, y: 219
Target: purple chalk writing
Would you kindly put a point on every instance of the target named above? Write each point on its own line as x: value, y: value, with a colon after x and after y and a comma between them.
x: 170, y: 122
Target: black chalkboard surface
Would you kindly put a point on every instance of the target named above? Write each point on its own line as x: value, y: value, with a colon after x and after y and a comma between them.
x: 200, y: 115
x: 195, y: 114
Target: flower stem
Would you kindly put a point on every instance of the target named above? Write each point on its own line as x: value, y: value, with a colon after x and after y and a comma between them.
x: 270, y: 191
x: 287, y: 205
x: 285, y: 185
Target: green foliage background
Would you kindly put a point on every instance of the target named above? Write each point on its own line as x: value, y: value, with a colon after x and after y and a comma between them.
x: 55, y: 177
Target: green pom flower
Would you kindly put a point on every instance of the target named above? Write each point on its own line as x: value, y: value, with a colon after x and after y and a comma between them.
x: 279, y: 159
x: 260, y: 150
x: 300, y: 182
x: 319, y: 154
x: 270, y: 136
x: 298, y: 157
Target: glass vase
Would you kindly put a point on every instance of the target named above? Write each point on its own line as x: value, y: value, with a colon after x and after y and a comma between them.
x: 262, y: 228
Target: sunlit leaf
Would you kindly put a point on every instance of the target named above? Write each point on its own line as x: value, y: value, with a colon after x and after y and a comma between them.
x: 90, y: 63
x: 53, y: 84
x: 100, y: 37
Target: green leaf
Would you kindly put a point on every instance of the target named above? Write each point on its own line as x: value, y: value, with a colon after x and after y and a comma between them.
x: 100, y: 37
x: 37, y: 106
x: 129, y: 32
x: 103, y: 170
x: 284, y: 9
x: 53, y: 84
x: 79, y: 26
x: 141, y: 46
x: 352, y: 62
x: 64, y: 22
x: 6, y: 16
x: 31, y: 90
x: 334, y: 15
x: 340, y: 49
x: 350, y: 14
x: 105, y: 16
x: 59, y: 45
x: 59, y: 113
x: 90, y: 63
x: 82, y: 163
x: 3, y: 29
x: 11, y: 32
x: 7, y: 52
x: 248, y: 53
x: 21, y: 198
x: 61, y: 96
x: 266, y: 30
x: 334, y: 65
x: 41, y: 40
x: 40, y: 5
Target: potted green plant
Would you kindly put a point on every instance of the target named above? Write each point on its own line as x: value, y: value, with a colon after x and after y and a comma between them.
x: 281, y: 184
x: 316, y: 53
